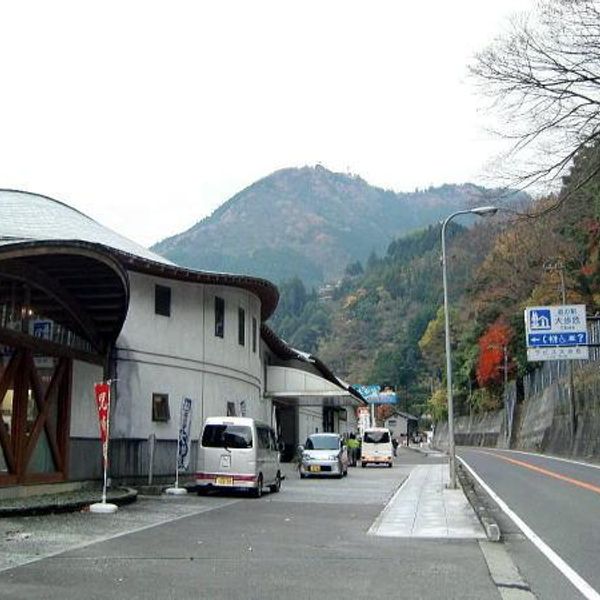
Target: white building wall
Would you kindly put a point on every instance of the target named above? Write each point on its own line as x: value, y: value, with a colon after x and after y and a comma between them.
x: 180, y: 356
x: 310, y: 420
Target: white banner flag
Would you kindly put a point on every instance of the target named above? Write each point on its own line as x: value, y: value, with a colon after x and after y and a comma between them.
x: 185, y: 434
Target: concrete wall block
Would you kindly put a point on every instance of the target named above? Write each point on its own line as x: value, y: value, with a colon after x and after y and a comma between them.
x: 542, y: 422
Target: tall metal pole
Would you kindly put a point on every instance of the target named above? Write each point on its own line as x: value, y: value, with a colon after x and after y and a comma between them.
x: 505, y: 394
x: 481, y: 211
x: 451, y: 447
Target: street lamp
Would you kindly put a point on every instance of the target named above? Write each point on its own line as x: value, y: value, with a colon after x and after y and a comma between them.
x: 480, y: 211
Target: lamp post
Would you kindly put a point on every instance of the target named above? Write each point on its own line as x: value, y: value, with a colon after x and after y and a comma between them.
x: 480, y: 211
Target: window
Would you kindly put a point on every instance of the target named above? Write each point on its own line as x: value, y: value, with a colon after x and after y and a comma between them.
x: 323, y: 442
x: 162, y: 300
x: 227, y: 435
x: 160, y: 408
x: 219, y: 317
x: 241, y: 326
x: 274, y: 445
x: 254, y: 329
x: 264, y: 439
x: 376, y: 437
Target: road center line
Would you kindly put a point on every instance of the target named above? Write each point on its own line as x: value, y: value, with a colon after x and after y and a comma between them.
x: 552, y: 457
x: 576, y: 580
x: 582, y: 484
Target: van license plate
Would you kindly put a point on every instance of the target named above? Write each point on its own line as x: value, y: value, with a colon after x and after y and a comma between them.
x: 315, y: 468
x: 224, y: 481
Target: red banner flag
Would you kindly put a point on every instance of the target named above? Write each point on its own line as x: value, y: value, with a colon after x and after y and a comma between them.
x: 102, y: 393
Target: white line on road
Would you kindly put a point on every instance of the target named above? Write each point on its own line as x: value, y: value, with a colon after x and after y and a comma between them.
x: 576, y: 580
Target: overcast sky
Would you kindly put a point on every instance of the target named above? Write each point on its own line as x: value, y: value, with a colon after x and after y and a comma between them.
x: 148, y: 115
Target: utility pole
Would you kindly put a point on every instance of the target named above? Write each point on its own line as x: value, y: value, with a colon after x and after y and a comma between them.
x: 504, y: 367
x: 558, y: 266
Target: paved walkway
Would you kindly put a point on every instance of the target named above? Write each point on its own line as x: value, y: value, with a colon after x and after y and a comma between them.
x: 424, y: 508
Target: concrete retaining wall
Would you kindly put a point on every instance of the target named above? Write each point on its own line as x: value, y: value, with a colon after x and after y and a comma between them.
x: 486, y: 429
x: 541, y: 421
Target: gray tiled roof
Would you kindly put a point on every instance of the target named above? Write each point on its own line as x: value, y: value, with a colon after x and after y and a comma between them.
x: 25, y: 216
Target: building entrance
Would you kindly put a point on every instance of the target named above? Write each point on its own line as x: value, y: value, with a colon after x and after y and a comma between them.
x: 34, y: 416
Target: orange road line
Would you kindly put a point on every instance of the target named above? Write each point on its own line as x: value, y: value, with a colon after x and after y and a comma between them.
x: 582, y: 484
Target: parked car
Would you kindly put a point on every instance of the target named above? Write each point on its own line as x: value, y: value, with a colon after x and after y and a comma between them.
x: 376, y: 447
x: 323, y: 454
x: 237, y: 452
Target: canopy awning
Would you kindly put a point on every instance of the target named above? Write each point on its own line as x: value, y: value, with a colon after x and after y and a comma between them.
x: 287, y: 385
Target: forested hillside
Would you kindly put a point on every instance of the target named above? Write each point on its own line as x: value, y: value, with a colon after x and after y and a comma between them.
x: 378, y: 313
x: 384, y: 321
x: 310, y: 223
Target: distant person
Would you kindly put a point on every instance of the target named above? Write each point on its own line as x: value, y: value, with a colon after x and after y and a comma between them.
x: 353, y: 446
x: 395, y: 445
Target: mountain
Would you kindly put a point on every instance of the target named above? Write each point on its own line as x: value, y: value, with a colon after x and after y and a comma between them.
x: 310, y: 222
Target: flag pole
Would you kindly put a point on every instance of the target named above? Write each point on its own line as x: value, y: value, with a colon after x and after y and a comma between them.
x: 105, y: 507
x: 176, y: 490
x: 105, y: 452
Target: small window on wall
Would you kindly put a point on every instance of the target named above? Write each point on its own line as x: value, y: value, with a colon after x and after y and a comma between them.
x: 254, y: 331
x: 264, y: 440
x: 162, y: 300
x: 241, y: 326
x: 219, y: 317
x: 160, y: 408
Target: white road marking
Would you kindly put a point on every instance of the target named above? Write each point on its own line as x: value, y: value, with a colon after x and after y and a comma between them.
x: 576, y: 580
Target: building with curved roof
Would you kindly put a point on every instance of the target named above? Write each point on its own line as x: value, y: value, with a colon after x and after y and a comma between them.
x: 80, y: 304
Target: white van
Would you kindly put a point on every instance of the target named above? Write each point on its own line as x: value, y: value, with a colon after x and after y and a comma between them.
x: 237, y: 452
x: 376, y: 447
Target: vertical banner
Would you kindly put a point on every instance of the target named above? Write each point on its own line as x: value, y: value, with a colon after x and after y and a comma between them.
x: 102, y: 394
x: 185, y: 430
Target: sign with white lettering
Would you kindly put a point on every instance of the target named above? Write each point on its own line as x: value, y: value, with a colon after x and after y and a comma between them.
x: 556, y: 332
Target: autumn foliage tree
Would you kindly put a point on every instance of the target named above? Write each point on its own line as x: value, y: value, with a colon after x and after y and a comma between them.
x: 492, y: 345
x: 383, y: 411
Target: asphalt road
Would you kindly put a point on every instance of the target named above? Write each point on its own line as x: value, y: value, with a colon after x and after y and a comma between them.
x: 309, y: 541
x: 560, y: 502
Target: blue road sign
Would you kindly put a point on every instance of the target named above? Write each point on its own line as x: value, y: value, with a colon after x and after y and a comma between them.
x: 575, y: 338
x: 556, y: 332
x: 540, y: 319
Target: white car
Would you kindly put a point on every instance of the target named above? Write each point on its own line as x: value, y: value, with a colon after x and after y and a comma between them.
x: 376, y: 447
x: 237, y: 452
x: 323, y: 454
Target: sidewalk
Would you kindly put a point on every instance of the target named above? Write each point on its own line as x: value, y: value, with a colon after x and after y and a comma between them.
x: 425, y: 449
x: 424, y: 508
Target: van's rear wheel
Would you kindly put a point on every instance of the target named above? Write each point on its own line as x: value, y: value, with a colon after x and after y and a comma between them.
x: 257, y: 492
x: 277, y: 485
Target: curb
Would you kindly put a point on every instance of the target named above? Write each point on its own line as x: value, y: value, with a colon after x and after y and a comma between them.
x: 120, y: 497
x: 490, y: 525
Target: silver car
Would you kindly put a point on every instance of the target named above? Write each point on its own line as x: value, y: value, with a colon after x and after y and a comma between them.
x: 323, y: 454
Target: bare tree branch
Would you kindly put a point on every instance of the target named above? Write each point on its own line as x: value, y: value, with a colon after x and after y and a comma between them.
x: 544, y: 81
